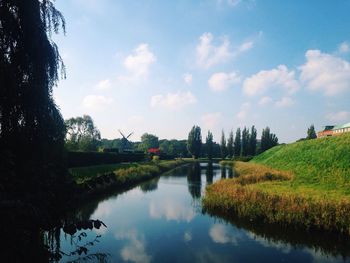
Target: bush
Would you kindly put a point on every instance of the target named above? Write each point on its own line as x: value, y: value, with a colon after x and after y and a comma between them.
x: 79, y: 159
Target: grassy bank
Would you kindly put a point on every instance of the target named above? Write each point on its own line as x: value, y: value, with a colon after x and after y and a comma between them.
x: 303, y: 184
x: 100, y: 178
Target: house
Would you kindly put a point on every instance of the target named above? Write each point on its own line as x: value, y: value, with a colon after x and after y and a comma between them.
x: 337, y: 130
x: 327, y: 131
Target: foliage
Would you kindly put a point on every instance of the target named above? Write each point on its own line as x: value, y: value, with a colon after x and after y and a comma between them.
x: 311, y: 133
x: 82, y: 134
x: 223, y: 148
x: 237, y: 145
x: 268, y: 140
x: 148, y: 141
x: 78, y: 159
x: 209, y: 145
x: 194, y: 141
x: 230, y: 145
x: 245, y: 142
x: 29, y: 118
x: 252, y: 142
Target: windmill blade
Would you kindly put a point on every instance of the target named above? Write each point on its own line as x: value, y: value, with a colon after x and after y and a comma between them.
x: 121, y: 133
x: 130, y: 135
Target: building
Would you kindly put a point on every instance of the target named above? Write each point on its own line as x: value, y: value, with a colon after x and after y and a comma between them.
x: 327, y: 131
x: 331, y: 130
x: 337, y: 130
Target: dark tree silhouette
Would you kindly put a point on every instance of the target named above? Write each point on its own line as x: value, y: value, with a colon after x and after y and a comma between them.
x: 268, y: 140
x: 32, y: 130
x: 230, y: 145
x: 237, y: 144
x: 223, y: 147
x: 311, y: 133
x: 209, y: 145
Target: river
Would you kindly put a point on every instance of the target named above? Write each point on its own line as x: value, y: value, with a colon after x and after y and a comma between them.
x: 162, y: 221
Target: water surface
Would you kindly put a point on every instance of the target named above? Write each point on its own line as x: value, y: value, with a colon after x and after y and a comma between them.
x: 162, y: 221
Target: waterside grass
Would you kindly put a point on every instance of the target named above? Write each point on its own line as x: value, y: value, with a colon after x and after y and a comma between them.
x: 275, y: 196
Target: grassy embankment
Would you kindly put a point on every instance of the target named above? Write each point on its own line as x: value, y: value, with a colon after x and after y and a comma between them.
x: 302, y: 184
x: 92, y: 179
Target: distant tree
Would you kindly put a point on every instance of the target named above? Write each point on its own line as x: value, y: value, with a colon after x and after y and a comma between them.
x: 194, y: 141
x: 230, y: 145
x: 245, y: 142
x: 209, y: 145
x: 223, y: 147
x: 148, y: 141
x: 268, y: 140
x: 82, y: 135
x: 237, y: 145
x: 166, y: 147
x: 252, y: 141
x: 311, y: 133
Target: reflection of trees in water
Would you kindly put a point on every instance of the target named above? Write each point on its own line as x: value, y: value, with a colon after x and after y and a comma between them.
x: 149, y: 185
x: 209, y: 173
x: 328, y: 243
x: 230, y: 172
x: 223, y: 172
x: 194, y: 180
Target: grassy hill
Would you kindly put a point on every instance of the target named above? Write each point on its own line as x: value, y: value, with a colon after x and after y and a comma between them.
x: 304, y: 184
x: 322, y: 163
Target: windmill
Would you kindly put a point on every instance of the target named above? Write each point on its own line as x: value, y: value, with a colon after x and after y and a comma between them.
x: 125, y: 144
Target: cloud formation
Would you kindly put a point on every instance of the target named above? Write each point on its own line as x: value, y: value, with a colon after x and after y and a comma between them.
x: 344, y: 47
x: 339, y: 116
x: 284, y: 102
x: 173, y: 101
x: 244, y: 111
x: 139, y: 62
x: 264, y: 80
x: 104, y: 84
x: 221, y: 81
x: 209, y: 54
x: 326, y: 73
x: 210, y: 120
x: 96, y: 102
x: 188, y: 78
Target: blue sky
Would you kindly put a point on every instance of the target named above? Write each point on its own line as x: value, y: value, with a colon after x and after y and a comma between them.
x: 163, y: 66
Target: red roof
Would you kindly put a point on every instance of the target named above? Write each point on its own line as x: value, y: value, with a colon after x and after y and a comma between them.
x: 154, y: 150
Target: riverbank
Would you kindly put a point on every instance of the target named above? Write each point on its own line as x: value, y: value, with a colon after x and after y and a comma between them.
x: 304, y: 184
x: 97, y: 179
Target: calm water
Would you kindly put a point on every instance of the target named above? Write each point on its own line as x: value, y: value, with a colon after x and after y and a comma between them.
x: 162, y: 221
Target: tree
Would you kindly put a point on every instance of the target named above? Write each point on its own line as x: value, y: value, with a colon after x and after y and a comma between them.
x: 245, y: 142
x: 311, y: 133
x: 209, y: 145
x: 194, y: 141
x: 230, y: 145
x: 32, y: 130
x: 223, y: 148
x: 268, y: 140
x: 148, y: 141
x: 237, y: 145
x: 82, y: 135
x: 252, y: 141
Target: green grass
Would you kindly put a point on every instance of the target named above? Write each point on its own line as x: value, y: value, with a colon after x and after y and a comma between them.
x: 321, y: 164
x: 311, y: 189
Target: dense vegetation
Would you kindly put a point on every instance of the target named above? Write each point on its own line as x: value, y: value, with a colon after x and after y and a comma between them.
x: 304, y: 184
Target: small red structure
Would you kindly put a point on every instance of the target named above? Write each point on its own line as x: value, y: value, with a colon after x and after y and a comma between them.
x: 154, y: 151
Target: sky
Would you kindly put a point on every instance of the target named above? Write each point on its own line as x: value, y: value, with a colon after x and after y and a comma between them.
x: 161, y: 67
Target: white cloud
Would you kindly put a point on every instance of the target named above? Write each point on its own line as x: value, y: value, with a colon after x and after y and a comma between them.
x: 234, y: 2
x: 173, y: 101
x: 325, y: 72
x: 221, y: 81
x: 188, y: 78
x: 135, y: 250
x: 266, y: 79
x: 219, y: 234
x: 244, y: 111
x: 209, y: 54
x: 344, y: 47
x: 96, y: 102
x: 104, y: 84
x: 265, y: 100
x: 284, y: 102
x: 338, y: 116
x: 245, y: 46
x: 140, y: 60
x: 171, y: 210
x: 210, y: 120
